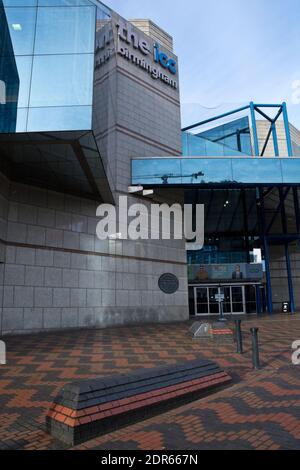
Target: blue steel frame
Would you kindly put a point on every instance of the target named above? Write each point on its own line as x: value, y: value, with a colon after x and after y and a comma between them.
x: 258, y: 108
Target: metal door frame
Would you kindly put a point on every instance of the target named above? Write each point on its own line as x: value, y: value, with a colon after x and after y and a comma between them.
x: 217, y: 286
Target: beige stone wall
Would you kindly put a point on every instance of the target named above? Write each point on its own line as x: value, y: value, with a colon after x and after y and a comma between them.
x: 57, y: 273
x: 263, y: 127
x: 155, y: 32
x: 295, y: 136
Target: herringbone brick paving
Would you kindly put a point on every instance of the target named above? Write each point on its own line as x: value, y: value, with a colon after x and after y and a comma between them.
x: 261, y: 410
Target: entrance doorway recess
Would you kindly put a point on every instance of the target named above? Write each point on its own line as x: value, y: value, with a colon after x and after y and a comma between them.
x: 206, y: 303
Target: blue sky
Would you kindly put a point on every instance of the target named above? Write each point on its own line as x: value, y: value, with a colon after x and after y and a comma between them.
x: 230, y: 51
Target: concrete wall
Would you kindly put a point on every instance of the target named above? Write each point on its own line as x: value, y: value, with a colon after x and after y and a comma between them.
x: 263, y: 127
x: 137, y: 116
x: 59, y: 275
x: 155, y: 32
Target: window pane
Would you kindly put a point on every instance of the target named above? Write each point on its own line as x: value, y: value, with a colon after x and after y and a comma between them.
x: 59, y: 119
x: 9, y: 88
x: 198, y: 171
x: 65, y: 30
x: 291, y: 170
x: 20, y: 3
x: 22, y: 119
x: 21, y: 25
x: 156, y: 171
x: 63, y: 3
x: 65, y: 80
x: 257, y: 170
x: 24, y: 66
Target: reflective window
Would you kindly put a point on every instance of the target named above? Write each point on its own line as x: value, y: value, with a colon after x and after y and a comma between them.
x: 254, y: 170
x: 21, y: 124
x: 24, y: 67
x: 61, y: 119
x: 47, y: 63
x: 64, y: 3
x: 157, y: 171
x: 197, y: 145
x: 243, y: 171
x: 206, y: 170
x: 65, y: 30
x: 19, y: 3
x: 291, y: 170
x: 234, y: 135
x: 62, y: 80
x: 21, y: 27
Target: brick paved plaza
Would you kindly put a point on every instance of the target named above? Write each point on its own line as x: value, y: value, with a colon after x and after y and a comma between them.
x: 260, y: 410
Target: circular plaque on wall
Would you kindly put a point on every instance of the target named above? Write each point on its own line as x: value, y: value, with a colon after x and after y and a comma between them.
x: 168, y: 283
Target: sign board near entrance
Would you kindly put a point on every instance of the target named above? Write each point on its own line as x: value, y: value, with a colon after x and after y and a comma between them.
x: 225, y: 272
x: 219, y: 298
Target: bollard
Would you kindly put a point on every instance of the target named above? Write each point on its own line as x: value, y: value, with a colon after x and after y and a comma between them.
x: 255, y: 351
x: 239, y: 337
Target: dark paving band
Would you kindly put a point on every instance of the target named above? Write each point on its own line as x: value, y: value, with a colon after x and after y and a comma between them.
x: 88, y: 409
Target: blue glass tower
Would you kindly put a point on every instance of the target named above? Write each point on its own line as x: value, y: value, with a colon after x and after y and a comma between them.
x: 47, y: 51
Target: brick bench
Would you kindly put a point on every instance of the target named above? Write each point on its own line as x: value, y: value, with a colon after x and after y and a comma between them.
x: 90, y: 408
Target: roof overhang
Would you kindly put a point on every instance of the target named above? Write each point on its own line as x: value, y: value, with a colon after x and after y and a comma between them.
x: 68, y: 162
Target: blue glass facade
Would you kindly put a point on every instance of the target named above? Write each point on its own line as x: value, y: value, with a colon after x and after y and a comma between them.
x: 216, y: 171
x: 234, y: 135
x: 195, y: 145
x: 47, y: 64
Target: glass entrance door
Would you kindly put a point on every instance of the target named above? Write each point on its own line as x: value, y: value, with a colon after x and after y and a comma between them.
x: 201, y: 301
x: 238, y: 299
x: 214, y: 306
x: 206, y: 304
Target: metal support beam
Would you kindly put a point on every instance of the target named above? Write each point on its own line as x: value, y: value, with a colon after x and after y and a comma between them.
x: 279, y: 207
x: 287, y: 130
x: 290, y: 278
x: 268, y: 276
x: 287, y: 252
x: 254, y: 129
x: 263, y: 114
x: 275, y: 139
x: 266, y: 141
x: 215, y: 118
x: 246, y: 226
x: 258, y: 300
x: 297, y: 209
x: 261, y: 210
x: 282, y: 198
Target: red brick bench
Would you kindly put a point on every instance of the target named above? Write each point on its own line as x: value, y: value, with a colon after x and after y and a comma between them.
x: 87, y: 409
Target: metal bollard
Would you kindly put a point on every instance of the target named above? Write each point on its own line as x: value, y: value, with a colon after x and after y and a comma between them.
x: 239, y: 337
x: 255, y: 350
